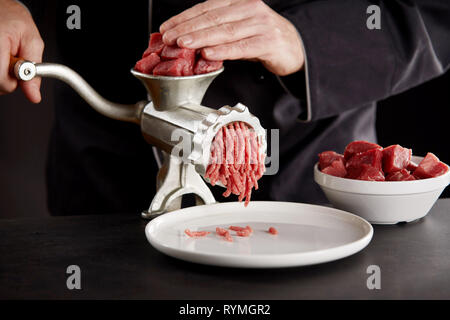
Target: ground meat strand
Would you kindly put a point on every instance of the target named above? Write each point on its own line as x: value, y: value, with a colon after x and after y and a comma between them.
x: 236, y: 160
x: 243, y: 233
x: 196, y: 234
x: 237, y: 228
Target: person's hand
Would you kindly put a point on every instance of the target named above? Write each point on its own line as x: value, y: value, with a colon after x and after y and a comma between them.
x: 19, y: 37
x: 238, y: 29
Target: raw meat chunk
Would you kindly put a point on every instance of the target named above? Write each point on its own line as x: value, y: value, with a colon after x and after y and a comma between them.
x: 206, y: 66
x: 411, y: 167
x: 174, y: 68
x: 155, y: 44
x: 353, y: 173
x: 365, y: 172
x: 359, y: 146
x: 147, y: 64
x: 402, y: 175
x: 430, y: 167
x: 372, y: 157
x: 191, y: 58
x: 188, y: 70
x: 337, y: 169
x: 395, y: 158
x: 326, y: 158
x: 371, y: 174
x: 368, y: 161
x: 175, y: 52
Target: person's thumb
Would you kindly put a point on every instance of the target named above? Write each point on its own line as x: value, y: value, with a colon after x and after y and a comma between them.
x: 32, y: 49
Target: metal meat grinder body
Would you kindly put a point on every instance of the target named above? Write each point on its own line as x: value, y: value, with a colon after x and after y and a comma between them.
x: 173, y: 120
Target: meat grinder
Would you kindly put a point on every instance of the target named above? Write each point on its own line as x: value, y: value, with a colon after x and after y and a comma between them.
x: 172, y: 120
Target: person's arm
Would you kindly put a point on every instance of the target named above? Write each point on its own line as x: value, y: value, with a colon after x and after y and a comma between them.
x: 19, y: 37
x: 347, y: 65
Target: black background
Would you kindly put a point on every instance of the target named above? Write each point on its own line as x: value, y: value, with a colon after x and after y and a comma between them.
x: 416, y: 119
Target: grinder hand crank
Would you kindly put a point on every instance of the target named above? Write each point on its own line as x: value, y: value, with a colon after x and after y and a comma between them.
x: 173, y: 120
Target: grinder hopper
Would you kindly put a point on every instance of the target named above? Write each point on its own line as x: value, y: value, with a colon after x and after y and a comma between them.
x: 172, y: 120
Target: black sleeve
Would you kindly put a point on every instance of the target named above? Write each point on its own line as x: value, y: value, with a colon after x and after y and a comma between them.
x: 348, y: 65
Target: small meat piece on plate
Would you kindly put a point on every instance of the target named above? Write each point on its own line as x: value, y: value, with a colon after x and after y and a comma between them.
x: 402, y: 175
x: 372, y: 157
x: 396, y: 158
x: 243, y: 233
x: 155, y: 44
x: 430, y: 167
x: 227, y: 236
x: 196, y: 234
x: 365, y: 172
x: 147, y: 64
x: 221, y: 231
x: 337, y: 169
x: 237, y: 228
x: 206, y: 66
x: 272, y: 230
x: 174, y: 68
x: 326, y: 158
x: 359, y: 146
x: 224, y: 233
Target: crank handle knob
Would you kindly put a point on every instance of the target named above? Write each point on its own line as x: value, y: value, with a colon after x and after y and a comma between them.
x: 22, y: 69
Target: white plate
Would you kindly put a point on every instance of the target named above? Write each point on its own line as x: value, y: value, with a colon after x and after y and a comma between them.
x: 307, y: 234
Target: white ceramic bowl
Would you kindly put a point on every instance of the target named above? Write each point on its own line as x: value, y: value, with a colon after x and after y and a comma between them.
x: 383, y: 202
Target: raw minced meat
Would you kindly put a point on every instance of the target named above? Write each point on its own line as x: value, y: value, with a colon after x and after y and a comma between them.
x: 196, y: 234
x: 236, y: 160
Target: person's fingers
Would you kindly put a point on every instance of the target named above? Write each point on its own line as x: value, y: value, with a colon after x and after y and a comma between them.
x: 212, y: 18
x: 7, y: 82
x: 32, y: 49
x: 193, y: 12
x: 248, y: 48
x: 224, y: 33
x: 32, y: 89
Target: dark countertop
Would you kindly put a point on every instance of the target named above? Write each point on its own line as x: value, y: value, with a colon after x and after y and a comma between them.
x: 117, y: 262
